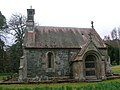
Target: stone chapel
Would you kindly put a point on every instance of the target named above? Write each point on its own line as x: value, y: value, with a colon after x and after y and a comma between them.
x: 62, y: 53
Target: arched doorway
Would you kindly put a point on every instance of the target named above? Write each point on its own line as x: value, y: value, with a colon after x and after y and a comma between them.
x: 90, y: 65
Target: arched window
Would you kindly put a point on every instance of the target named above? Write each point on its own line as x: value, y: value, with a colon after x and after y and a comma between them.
x: 50, y: 58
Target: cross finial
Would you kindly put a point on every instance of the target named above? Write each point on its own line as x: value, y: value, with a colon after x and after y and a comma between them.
x: 92, y: 24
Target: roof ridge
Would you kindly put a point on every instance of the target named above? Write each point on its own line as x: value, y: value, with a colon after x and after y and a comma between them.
x: 63, y: 27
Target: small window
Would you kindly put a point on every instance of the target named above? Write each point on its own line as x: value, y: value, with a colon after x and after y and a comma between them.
x: 50, y: 58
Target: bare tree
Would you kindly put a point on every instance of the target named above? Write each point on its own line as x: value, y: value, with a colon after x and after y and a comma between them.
x: 114, y: 34
x: 17, y: 24
x: 119, y: 33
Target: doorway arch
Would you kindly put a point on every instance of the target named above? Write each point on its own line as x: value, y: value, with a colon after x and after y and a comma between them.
x: 90, y: 65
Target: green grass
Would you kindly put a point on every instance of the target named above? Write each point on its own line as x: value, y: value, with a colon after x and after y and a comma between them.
x: 104, y: 85
x: 4, y: 75
x: 1, y: 78
x: 116, y: 69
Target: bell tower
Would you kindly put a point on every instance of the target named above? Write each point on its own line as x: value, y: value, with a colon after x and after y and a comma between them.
x: 30, y: 19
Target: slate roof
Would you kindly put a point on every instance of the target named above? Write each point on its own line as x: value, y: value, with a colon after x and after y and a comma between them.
x: 61, y: 37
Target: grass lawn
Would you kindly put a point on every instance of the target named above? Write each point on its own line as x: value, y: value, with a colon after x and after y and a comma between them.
x: 104, y: 85
x: 116, y: 69
x: 3, y: 75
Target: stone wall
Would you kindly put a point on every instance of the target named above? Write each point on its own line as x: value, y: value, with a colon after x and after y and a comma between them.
x: 37, y: 63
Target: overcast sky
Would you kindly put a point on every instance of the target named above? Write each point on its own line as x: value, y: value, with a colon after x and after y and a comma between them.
x: 69, y: 13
